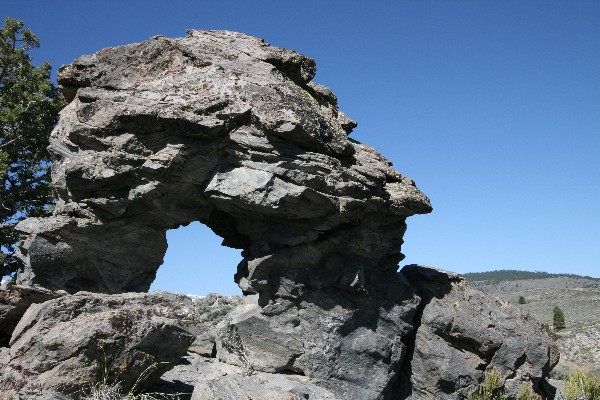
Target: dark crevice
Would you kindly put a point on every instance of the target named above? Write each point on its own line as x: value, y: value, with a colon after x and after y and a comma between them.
x: 518, y: 363
x: 299, y: 72
x: 287, y: 371
x: 400, y: 387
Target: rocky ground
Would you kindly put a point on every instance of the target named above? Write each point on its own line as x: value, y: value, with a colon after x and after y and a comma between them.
x: 578, y: 298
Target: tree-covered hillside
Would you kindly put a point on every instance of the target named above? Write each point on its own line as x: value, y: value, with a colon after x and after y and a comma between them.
x: 516, y: 275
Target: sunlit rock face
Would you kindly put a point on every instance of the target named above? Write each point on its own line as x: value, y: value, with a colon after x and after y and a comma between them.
x: 222, y: 128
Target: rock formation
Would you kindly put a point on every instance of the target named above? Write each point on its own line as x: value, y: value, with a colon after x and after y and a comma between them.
x: 14, y: 302
x: 72, y: 342
x: 222, y: 128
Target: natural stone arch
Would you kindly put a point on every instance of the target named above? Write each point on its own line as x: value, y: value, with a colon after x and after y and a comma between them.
x: 221, y: 128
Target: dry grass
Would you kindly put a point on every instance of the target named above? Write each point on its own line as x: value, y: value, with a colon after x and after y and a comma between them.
x: 582, y: 385
x: 113, y: 391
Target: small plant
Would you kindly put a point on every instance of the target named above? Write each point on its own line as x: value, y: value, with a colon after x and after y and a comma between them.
x: 581, y: 385
x: 114, y: 392
x: 558, y: 318
x: 526, y: 393
x: 110, y: 386
x: 491, y: 389
x: 522, y: 300
x: 230, y: 339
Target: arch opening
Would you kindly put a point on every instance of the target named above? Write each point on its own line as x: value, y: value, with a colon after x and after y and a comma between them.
x: 197, y: 263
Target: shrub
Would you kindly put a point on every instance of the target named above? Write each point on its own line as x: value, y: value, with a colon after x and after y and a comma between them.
x: 491, y: 389
x: 113, y: 392
x: 232, y: 342
x: 582, y: 385
x: 522, y: 300
x: 559, y: 318
x: 526, y: 393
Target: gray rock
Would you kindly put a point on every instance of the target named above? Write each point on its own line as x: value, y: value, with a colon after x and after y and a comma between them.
x: 208, y: 313
x: 14, y: 301
x: 353, y: 345
x: 71, y: 343
x: 218, y: 381
x: 222, y: 128
x: 462, y: 333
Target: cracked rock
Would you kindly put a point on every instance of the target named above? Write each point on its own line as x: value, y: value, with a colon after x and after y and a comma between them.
x: 73, y: 342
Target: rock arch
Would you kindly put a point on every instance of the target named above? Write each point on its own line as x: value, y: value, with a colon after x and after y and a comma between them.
x: 221, y: 128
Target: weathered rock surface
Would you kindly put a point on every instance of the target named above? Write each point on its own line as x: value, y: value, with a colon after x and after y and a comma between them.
x: 14, y: 301
x: 461, y: 333
x: 222, y: 128
x: 353, y: 344
x: 71, y: 343
x: 208, y: 313
x: 425, y: 335
x: 218, y: 381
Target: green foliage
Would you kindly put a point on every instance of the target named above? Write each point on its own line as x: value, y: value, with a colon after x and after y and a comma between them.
x: 582, y: 385
x: 558, y: 318
x: 29, y: 106
x: 491, y: 389
x: 522, y: 300
x: 526, y: 393
x: 230, y: 338
x: 231, y: 341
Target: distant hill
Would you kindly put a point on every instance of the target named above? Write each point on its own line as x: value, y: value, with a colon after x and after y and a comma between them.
x: 516, y: 275
x: 578, y: 296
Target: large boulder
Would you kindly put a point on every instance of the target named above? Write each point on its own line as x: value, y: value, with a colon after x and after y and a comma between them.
x: 354, y: 345
x: 425, y: 334
x: 72, y: 343
x: 461, y: 334
x: 218, y: 381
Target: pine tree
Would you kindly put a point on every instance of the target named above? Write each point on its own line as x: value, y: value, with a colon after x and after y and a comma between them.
x: 522, y: 300
x: 29, y: 106
x: 559, y: 318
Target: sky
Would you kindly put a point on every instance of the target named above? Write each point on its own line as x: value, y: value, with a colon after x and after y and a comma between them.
x: 492, y: 107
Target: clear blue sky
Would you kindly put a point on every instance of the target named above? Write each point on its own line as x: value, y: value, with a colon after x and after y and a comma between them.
x: 492, y: 107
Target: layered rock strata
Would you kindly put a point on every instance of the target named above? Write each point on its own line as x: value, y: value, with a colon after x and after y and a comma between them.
x: 222, y: 128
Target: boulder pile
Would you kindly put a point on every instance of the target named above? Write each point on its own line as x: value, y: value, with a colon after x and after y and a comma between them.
x: 223, y: 128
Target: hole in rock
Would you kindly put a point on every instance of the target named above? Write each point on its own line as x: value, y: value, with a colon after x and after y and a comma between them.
x: 196, y: 263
